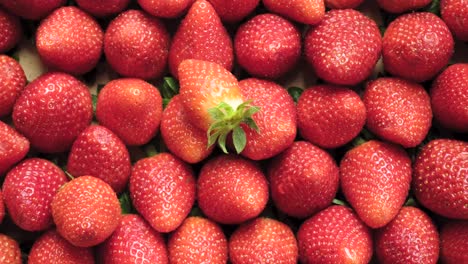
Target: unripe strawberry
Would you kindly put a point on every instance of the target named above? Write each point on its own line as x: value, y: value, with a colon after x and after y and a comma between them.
x: 12, y: 82
x: 32, y: 9
x: 10, y: 252
x: 10, y: 31
x: 103, y: 8
x: 14, y: 145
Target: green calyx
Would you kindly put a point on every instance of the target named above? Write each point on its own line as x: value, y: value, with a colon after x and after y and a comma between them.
x: 227, y: 119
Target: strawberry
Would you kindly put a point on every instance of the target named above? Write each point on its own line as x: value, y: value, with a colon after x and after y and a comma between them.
x: 454, y: 242
x: 416, y: 46
x: 439, y: 180
x: 103, y: 8
x: 344, y: 48
x: 2, y: 208
x: 455, y: 15
x: 63, y: 44
x: 134, y: 241
x: 267, y: 46
x: 10, y: 252
x: 137, y: 45
x: 263, y: 240
x: 343, y: 4
x: 400, y: 6
x: 201, y: 36
x: 131, y: 108
x: 303, y: 11
x: 330, y: 116
x: 198, y: 240
x: 231, y: 189
x: 375, y: 179
x: 165, y: 8
x: 99, y: 152
x: 52, y: 110
x: 234, y: 10
x: 12, y: 82
x: 303, y: 180
x: 13, y: 146
x: 10, y: 31
x: 162, y: 189
x: 398, y: 111
x: 449, y: 98
x: 334, y: 235
x: 32, y: 9
x: 86, y: 211
x: 52, y: 248
x: 409, y: 238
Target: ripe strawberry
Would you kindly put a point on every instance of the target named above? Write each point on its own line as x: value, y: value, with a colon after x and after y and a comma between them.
x: 137, y: 45
x: 131, y: 108
x: 12, y: 82
x: 398, y: 111
x: 344, y: 48
x: 416, y: 46
x: 330, y: 116
x: 86, y: 211
x: 375, y: 179
x: 14, y: 147
x: 2, y: 207
x: 454, y: 242
x: 449, y: 98
x: 201, y: 36
x: 165, y: 8
x: 162, y: 189
x: 198, y: 240
x: 263, y: 240
x: 103, y: 8
x: 134, y: 241
x: 267, y: 46
x: 334, y: 235
x: 409, y: 238
x: 455, y: 15
x: 234, y: 10
x: 439, y: 180
x: 32, y: 9
x: 400, y: 6
x: 54, y: 249
x: 231, y: 189
x: 343, y: 4
x: 10, y: 31
x: 52, y: 110
x: 10, y: 252
x: 99, y: 152
x: 303, y: 180
x: 303, y: 11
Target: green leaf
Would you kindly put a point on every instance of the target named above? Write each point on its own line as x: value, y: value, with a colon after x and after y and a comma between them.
x: 252, y: 110
x: 239, y: 139
x: 126, y: 203
x: 251, y: 123
x: 411, y: 202
x: 340, y: 202
x: 94, y: 99
x: 216, y: 113
x: 295, y: 92
x: 169, y: 88
x: 434, y: 7
x: 222, y: 142
x: 69, y: 176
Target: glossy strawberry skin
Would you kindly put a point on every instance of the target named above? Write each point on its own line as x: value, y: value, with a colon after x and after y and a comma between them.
x: 454, y: 13
x: 10, y: 252
x: 10, y: 31
x: 52, y: 110
x: 453, y: 242
x: 32, y: 9
x: 409, y: 238
x: 439, y: 179
x: 234, y: 10
x: 309, y: 12
x: 165, y: 8
x: 198, y: 240
x: 400, y: 6
x: 162, y: 189
x: 334, y: 235
x: 201, y: 36
x: 103, y: 8
x: 343, y: 4
x: 344, y: 48
x: 12, y: 82
x: 15, y: 147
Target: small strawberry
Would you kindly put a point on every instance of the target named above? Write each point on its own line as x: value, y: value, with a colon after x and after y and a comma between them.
x: 162, y: 189
x: 455, y: 15
x: 131, y: 108
x: 303, y: 11
x: 198, y: 240
x: 86, y: 211
x: 231, y: 189
x: 2, y: 208
x: 416, y: 46
x: 267, y: 46
x: 10, y: 31
x: 440, y: 176
x: 13, y: 146
x: 32, y: 9
x: 201, y: 36
x: 137, y: 45
x: 234, y: 10
x: 53, y: 249
x: 334, y: 235
x: 343, y: 4
x: 375, y: 179
x: 165, y: 8
x: 10, y: 252
x: 400, y: 6
x: 344, y: 48
x: 454, y: 242
x: 103, y: 8
x: 12, y: 82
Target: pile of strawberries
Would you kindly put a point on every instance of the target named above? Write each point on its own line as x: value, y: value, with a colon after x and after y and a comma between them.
x: 197, y: 153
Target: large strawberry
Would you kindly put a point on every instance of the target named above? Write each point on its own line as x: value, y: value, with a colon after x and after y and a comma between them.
x: 234, y: 10
x: 32, y: 9
x: 344, y: 48
x: 103, y: 8
x: 10, y: 31
x: 14, y: 147
x: 165, y: 8
x: 303, y: 11
x: 343, y: 4
x: 12, y: 82
x: 52, y: 110
x: 2, y: 207
x: 400, y: 6
x: 454, y: 242
x: 201, y: 36
x: 455, y: 15
x: 10, y: 252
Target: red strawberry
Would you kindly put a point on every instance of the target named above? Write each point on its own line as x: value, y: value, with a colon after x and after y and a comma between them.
x: 198, y: 240
x: 10, y: 252
x: 10, y: 31
x: 303, y: 180
x: 2, y: 207
x: 165, y: 8
x: 32, y: 9
x: 400, y: 6
x: 234, y: 10
x: 440, y: 175
x: 86, y: 211
x: 454, y: 242
x: 449, y: 97
x: 162, y: 189
x: 12, y: 82
x: 375, y: 179
x: 137, y: 45
x: 343, y: 4
x: 63, y: 44
x: 409, y: 238
x: 134, y: 241
x: 13, y: 146
x: 330, y: 116
x: 267, y: 46
x: 103, y: 8
x: 416, y: 46
x: 231, y: 189
x: 131, y: 108
x: 52, y: 110
x: 344, y: 48
x: 398, y: 111
x: 334, y: 235
x: 455, y: 15
x: 303, y: 11
x: 201, y: 36
x: 52, y: 248
x: 99, y: 152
